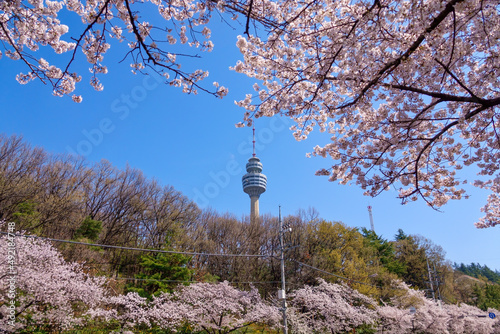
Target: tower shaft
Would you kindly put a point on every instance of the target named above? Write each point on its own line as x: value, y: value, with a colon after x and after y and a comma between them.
x: 254, y: 207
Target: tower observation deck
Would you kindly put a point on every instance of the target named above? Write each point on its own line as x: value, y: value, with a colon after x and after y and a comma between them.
x: 254, y: 184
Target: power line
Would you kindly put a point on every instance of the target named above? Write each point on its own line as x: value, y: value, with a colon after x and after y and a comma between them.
x: 152, y: 250
x: 332, y: 274
x: 134, y: 248
x: 184, y: 253
x: 341, y: 277
x: 180, y: 281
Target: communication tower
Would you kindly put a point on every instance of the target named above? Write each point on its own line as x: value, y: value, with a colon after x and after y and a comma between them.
x: 254, y: 182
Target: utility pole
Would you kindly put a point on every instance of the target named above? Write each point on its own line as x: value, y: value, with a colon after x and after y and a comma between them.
x: 438, y: 281
x: 281, y: 293
x: 430, y: 280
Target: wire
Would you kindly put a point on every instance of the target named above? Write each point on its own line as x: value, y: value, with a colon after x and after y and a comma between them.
x: 135, y: 249
x: 184, y: 253
x: 342, y: 277
x: 180, y: 281
x: 348, y: 279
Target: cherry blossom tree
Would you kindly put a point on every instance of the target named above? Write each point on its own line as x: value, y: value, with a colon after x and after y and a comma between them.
x: 44, y: 289
x: 206, y: 307
x: 465, y: 319
x: 221, y: 308
x: 394, y: 320
x: 430, y: 317
x: 132, y: 310
x: 407, y: 91
x: 330, y: 308
x: 158, y: 42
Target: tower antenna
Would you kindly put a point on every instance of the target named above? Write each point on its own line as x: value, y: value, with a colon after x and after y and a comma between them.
x: 253, y: 141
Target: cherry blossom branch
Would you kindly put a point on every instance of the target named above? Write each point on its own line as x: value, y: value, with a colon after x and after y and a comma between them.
x: 432, y: 140
x: 247, y: 24
x: 20, y: 54
x: 453, y: 40
x: 447, y: 70
x: 396, y: 62
x: 152, y: 59
x: 82, y: 35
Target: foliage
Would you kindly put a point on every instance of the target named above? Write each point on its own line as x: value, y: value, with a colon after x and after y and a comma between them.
x: 476, y: 270
x: 89, y: 229
x: 401, y: 235
x: 409, y: 252
x: 53, y: 295
x: 71, y: 196
x: 337, y: 248
x: 407, y: 91
x: 161, y: 272
x: 384, y: 251
x: 48, y: 291
x: 67, y: 198
x: 26, y: 215
x: 486, y: 296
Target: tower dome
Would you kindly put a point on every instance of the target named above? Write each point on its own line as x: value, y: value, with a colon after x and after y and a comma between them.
x: 254, y: 184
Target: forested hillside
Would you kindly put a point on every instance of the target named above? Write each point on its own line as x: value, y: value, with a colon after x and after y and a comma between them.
x: 66, y: 198
x: 478, y: 271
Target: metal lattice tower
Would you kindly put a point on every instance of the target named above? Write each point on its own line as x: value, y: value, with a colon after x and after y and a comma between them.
x: 254, y: 182
x: 371, y: 218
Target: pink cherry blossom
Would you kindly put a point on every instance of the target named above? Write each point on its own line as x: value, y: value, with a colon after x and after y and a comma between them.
x: 221, y: 307
x: 48, y: 290
x: 26, y: 25
x: 406, y: 91
x: 330, y: 308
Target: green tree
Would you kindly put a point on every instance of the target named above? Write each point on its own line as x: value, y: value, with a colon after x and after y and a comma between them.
x: 161, y: 272
x: 413, y: 257
x: 401, y: 235
x: 339, y: 249
x: 26, y: 216
x: 384, y: 251
x: 88, y: 229
x: 476, y: 270
x: 486, y: 296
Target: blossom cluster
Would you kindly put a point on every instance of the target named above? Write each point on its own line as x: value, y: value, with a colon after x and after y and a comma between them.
x: 406, y: 91
x: 53, y: 290
x: 205, y: 306
x: 333, y: 308
x: 431, y: 317
x: 27, y: 26
x: 55, y: 293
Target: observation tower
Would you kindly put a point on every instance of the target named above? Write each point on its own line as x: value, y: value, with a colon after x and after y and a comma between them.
x: 254, y: 182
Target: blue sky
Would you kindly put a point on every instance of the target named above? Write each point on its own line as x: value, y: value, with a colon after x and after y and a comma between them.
x: 191, y: 143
